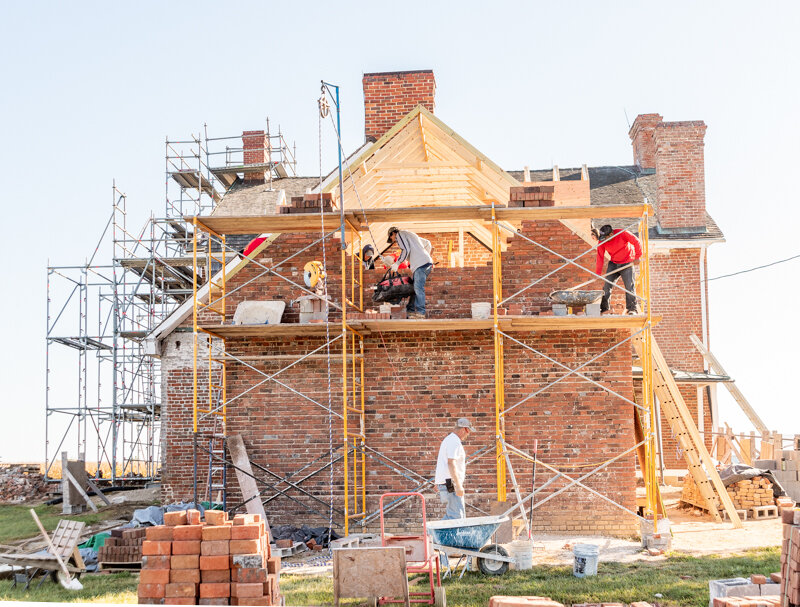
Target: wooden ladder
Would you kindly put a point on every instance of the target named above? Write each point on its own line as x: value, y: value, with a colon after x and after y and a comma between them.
x: 700, y: 464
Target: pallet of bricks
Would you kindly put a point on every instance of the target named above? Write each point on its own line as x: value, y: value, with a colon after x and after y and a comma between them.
x: 309, y: 203
x: 749, y: 495
x: 218, y: 562
x: 532, y: 196
x: 790, y: 558
x: 122, y: 550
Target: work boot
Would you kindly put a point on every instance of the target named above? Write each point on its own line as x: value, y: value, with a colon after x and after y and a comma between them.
x: 416, y: 315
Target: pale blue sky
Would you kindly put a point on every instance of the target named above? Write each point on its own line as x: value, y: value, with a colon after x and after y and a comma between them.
x: 90, y: 90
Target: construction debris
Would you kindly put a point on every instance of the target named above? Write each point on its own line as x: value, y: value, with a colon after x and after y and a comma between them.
x: 21, y: 483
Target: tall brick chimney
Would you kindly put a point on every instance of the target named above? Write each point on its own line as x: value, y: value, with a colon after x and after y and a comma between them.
x: 389, y: 96
x: 641, y: 134
x: 680, y: 177
x: 254, y: 146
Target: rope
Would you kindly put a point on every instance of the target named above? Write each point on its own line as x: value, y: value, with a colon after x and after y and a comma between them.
x: 323, y: 110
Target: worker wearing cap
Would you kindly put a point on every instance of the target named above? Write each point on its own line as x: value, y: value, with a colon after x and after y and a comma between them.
x: 451, y: 468
x: 624, y: 251
x: 418, y: 253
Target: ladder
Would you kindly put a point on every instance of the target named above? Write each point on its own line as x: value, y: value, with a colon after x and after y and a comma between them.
x: 698, y: 460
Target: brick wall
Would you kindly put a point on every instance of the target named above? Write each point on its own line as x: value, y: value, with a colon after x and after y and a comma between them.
x: 680, y: 175
x: 389, y: 96
x: 417, y: 384
x: 641, y: 134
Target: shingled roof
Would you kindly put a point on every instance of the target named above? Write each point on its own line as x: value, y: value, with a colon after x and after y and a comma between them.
x: 623, y: 185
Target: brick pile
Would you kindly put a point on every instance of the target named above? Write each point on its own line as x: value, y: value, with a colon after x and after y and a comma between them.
x: 21, y: 483
x: 790, y: 557
x: 219, y: 562
x: 691, y: 494
x: 752, y: 493
x: 368, y: 315
x: 124, y: 546
x: 748, y: 601
x: 309, y: 203
x: 543, y: 601
x: 532, y: 196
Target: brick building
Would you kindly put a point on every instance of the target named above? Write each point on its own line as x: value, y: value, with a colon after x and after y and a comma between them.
x: 416, y: 382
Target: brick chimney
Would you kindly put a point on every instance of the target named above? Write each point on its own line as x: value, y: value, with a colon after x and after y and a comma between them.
x: 641, y: 134
x: 254, y: 146
x: 680, y: 177
x: 389, y: 96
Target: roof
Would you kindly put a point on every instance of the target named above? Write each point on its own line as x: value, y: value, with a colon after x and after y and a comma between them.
x: 624, y: 185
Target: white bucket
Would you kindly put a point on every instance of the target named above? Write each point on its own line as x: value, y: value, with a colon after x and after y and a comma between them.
x: 522, y: 553
x: 481, y: 309
x: 585, y: 560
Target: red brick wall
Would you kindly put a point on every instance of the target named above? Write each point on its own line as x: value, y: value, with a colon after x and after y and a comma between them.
x: 680, y: 174
x: 641, y: 134
x: 389, y: 96
x: 417, y: 384
x: 254, y: 146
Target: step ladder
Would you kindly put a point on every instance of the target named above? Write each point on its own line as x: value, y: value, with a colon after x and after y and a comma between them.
x: 698, y: 460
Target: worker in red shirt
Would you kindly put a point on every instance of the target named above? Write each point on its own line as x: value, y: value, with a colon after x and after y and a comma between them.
x: 624, y: 251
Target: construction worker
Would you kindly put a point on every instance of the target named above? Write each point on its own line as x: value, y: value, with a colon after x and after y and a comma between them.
x: 418, y: 253
x: 451, y: 467
x: 624, y: 251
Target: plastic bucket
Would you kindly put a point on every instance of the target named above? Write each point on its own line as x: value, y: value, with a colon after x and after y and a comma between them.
x: 522, y: 553
x: 481, y: 309
x: 585, y: 560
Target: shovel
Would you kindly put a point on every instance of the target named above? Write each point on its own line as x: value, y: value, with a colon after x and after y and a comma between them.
x: 64, y: 577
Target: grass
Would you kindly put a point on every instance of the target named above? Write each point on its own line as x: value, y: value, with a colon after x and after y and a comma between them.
x: 112, y: 588
x: 17, y: 523
x: 682, y: 580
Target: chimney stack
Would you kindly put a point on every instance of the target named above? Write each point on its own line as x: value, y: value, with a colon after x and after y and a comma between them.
x: 389, y: 96
x: 680, y: 177
x: 254, y: 151
x: 641, y: 134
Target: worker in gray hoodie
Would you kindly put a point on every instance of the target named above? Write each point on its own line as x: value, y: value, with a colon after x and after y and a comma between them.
x: 418, y: 253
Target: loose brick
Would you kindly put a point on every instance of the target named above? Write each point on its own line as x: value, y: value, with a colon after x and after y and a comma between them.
x: 245, y: 546
x: 185, y: 561
x: 152, y: 591
x: 193, y: 517
x: 248, y: 561
x: 215, y: 590
x: 161, y: 533
x: 246, y: 532
x: 216, y: 517
x: 249, y: 576
x: 155, y: 562
x: 247, y: 590
x: 217, y: 532
x: 156, y: 548
x: 218, y: 601
x: 184, y: 575
x: 215, y: 548
x: 187, y: 532
x: 181, y: 589
x: 187, y: 547
x: 215, y: 562
x: 758, y: 579
x: 179, y: 600
x: 246, y: 519
x: 154, y: 576
x: 274, y: 564
x: 284, y: 543
x: 252, y: 600
x: 215, y: 576
x: 172, y: 519
x: 150, y: 601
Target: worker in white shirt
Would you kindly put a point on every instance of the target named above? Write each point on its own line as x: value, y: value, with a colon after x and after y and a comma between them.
x: 451, y: 467
x: 418, y: 253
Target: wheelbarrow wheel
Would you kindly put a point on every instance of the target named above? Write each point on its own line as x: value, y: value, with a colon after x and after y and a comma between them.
x: 439, y: 596
x: 489, y: 566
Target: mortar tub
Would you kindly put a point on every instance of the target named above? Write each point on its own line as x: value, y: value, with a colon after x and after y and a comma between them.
x: 575, y: 298
x: 471, y: 533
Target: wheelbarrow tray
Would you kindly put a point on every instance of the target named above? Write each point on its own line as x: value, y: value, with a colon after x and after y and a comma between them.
x: 575, y: 298
x: 470, y: 533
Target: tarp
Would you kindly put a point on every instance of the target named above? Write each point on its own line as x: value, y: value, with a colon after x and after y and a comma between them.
x: 739, y: 472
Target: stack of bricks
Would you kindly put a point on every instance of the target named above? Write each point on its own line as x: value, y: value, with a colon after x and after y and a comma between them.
x: 220, y: 562
x: 748, y: 601
x: 124, y: 546
x: 532, y: 196
x: 790, y: 558
x: 691, y: 494
x: 368, y: 315
x: 309, y: 203
x: 543, y: 601
x: 752, y: 493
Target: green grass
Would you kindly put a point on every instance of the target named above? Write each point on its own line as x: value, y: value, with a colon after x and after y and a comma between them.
x: 17, y: 523
x: 682, y: 580
x: 113, y: 588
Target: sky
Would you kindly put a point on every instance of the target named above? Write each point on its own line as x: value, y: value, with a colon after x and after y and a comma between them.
x: 90, y: 91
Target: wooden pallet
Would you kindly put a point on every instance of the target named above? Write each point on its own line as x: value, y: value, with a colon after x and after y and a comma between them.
x: 125, y: 566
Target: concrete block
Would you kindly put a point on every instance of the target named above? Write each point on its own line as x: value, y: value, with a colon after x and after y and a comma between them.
x: 770, y: 589
x: 593, y: 309
x: 737, y: 586
x: 559, y: 309
x: 248, y: 561
x: 765, y: 464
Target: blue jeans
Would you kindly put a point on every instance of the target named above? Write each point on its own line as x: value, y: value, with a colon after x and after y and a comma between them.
x: 416, y: 302
x: 455, y: 504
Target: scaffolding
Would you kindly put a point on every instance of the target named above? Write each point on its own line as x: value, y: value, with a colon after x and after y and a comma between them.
x: 355, y: 452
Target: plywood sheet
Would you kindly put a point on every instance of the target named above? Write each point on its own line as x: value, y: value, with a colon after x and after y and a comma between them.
x: 370, y: 572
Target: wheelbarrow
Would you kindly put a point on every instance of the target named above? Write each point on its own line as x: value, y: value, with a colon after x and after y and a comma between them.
x: 469, y: 537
